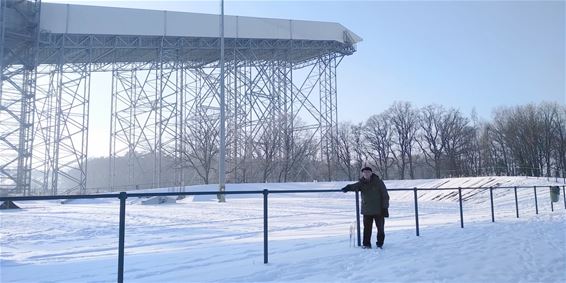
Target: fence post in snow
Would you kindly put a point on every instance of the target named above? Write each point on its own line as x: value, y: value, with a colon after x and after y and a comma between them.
x: 516, y: 202
x: 536, y: 201
x: 123, y: 196
x: 358, y: 218
x: 491, y: 200
x: 265, y: 192
x: 461, y: 209
x: 564, y: 195
x: 416, y: 210
x: 551, y: 202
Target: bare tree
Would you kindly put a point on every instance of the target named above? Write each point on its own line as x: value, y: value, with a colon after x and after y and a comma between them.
x: 201, y: 144
x: 430, y: 138
x: 473, y: 156
x: 524, y: 139
x: 379, y: 137
x: 359, y: 145
x: 299, y: 147
x: 548, y: 114
x: 519, y: 128
x: 500, y: 151
x: 531, y: 138
x: 304, y: 153
x: 266, y: 151
x: 404, y: 120
x: 344, y: 148
x: 487, y: 150
x: 560, y: 127
x: 456, y: 135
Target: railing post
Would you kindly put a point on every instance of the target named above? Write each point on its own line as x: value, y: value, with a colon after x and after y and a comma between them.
x: 416, y: 210
x: 536, y: 201
x: 265, y: 193
x: 358, y: 218
x: 516, y: 202
x: 564, y: 195
x: 491, y: 199
x: 551, y: 202
x: 461, y: 208
x: 123, y: 196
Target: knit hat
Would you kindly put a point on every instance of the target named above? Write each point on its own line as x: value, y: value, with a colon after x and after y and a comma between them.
x: 366, y: 168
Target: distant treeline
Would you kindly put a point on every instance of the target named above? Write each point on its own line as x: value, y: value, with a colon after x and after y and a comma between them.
x: 402, y: 142
x: 435, y: 142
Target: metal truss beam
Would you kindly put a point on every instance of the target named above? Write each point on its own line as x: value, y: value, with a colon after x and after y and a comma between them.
x: 110, y: 49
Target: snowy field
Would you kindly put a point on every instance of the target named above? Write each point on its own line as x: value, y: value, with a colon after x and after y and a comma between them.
x: 198, y: 239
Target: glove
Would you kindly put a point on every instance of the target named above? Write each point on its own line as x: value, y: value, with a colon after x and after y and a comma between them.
x: 345, y: 189
x: 385, y: 212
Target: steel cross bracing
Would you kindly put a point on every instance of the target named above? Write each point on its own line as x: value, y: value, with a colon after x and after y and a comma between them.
x: 264, y: 110
x: 61, y: 130
x: 164, y: 94
x: 329, y: 112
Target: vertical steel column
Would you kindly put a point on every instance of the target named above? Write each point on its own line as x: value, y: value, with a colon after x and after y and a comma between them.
x: 112, y: 140
x: 18, y: 65
x: 136, y: 104
x: 167, y: 117
x: 180, y: 130
x: 158, y: 126
x: 3, y: 9
x: 71, y: 114
x: 222, y: 151
x: 327, y: 68
x: 44, y: 130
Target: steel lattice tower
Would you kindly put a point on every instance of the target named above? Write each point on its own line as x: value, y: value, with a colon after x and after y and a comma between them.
x: 19, y: 31
x: 164, y: 94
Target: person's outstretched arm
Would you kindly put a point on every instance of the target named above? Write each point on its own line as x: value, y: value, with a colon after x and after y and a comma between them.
x: 351, y: 187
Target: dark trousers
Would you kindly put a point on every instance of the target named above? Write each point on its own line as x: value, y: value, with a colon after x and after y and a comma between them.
x: 368, y: 223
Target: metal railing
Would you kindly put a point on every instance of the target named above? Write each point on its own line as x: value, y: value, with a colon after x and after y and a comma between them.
x: 122, y: 196
x: 491, y: 189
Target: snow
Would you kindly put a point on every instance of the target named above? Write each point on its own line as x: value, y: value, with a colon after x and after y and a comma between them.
x: 198, y: 239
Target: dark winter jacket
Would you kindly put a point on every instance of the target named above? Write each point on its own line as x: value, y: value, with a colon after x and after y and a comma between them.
x: 375, y: 198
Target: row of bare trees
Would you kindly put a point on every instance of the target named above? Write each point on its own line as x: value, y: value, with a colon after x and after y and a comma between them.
x: 435, y: 141
x: 401, y: 142
x: 273, y: 154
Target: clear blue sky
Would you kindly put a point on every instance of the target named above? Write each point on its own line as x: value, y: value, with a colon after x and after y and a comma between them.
x: 462, y: 54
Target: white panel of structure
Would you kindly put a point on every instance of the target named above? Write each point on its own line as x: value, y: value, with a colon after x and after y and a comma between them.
x: 80, y: 19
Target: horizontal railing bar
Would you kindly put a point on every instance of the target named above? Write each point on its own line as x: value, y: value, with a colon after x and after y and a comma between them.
x: 56, y: 197
x: 303, y: 191
x: 193, y: 193
x: 116, y: 194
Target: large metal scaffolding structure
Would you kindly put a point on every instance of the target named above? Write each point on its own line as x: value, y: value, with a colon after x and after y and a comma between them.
x: 164, y: 94
x: 18, y: 51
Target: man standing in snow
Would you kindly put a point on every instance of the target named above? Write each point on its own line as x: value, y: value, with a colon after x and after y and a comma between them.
x: 375, y: 205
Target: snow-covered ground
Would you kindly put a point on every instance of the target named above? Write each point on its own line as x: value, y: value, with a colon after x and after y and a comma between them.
x: 200, y: 240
